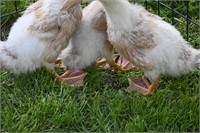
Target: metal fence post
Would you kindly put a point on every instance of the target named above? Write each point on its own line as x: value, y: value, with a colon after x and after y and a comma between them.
x: 158, y: 7
x: 172, y: 12
x: 187, y: 25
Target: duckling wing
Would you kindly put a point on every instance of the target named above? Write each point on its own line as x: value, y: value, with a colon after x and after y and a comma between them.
x: 99, y: 21
x: 34, y: 7
x: 141, y: 39
x: 66, y: 27
x: 44, y: 24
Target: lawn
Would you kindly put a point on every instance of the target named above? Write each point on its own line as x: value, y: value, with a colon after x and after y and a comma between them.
x: 36, y: 102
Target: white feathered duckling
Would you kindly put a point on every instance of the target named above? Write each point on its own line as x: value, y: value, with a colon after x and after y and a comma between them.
x: 38, y: 36
x: 150, y: 43
x: 89, y: 43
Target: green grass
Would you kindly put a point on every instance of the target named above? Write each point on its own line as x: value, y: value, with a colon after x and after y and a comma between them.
x: 37, y: 102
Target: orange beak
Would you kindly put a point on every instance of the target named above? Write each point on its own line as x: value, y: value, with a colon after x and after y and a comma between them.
x: 70, y: 3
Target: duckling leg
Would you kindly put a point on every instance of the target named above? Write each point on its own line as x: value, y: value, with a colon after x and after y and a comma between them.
x: 54, y: 73
x: 141, y: 85
x: 58, y: 63
x: 116, y: 67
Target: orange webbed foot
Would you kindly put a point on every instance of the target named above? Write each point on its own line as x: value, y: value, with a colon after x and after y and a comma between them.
x: 118, y: 63
x: 74, y: 78
x: 142, y: 85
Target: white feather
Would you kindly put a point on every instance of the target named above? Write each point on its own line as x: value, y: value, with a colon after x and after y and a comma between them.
x: 88, y: 43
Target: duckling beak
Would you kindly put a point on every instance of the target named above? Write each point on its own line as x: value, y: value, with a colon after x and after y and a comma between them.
x: 70, y: 3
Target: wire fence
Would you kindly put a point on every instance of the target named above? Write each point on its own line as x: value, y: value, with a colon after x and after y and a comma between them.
x: 160, y: 4
x: 186, y: 17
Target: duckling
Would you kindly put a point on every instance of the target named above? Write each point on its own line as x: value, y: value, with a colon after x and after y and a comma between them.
x: 38, y: 36
x: 89, y: 43
x: 149, y: 42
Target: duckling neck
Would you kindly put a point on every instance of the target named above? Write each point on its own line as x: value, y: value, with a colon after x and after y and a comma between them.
x: 119, y: 12
x: 115, y: 4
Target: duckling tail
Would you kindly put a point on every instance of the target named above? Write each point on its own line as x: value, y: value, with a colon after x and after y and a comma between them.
x: 194, y: 60
x: 197, y: 59
x: 7, y: 58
